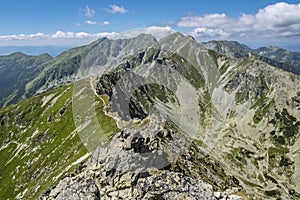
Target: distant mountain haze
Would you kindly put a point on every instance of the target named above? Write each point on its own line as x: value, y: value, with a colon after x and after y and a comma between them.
x: 34, y: 50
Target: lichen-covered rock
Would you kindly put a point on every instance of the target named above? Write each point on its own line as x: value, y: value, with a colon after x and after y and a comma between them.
x: 170, y: 185
x: 75, y: 188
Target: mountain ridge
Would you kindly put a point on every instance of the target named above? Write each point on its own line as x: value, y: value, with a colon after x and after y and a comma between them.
x: 16, y: 70
x: 276, y: 56
x: 53, y: 74
x: 232, y: 123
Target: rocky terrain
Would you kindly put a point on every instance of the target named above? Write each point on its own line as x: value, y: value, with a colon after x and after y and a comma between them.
x: 153, y: 162
x: 167, y: 119
x: 281, y: 55
x: 275, y: 56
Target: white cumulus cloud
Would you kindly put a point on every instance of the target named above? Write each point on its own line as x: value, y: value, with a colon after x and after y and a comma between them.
x: 117, y: 9
x: 90, y: 22
x: 212, y: 32
x: 105, y: 22
x: 88, y: 12
x: 276, y: 20
x: 209, y: 20
x: 157, y: 31
x: 60, y: 38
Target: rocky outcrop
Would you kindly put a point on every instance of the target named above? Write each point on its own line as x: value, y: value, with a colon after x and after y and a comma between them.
x: 152, y: 162
x: 75, y: 188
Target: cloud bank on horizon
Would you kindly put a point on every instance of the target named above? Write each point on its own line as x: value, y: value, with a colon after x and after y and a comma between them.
x: 71, y: 38
x: 275, y: 22
x: 278, y: 20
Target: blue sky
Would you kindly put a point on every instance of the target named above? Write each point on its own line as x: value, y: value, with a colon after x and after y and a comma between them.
x: 76, y: 22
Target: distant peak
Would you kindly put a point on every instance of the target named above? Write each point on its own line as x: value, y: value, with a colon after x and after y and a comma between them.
x: 140, y: 36
x: 101, y: 40
x: 273, y: 47
x: 18, y: 54
x: 45, y: 55
x: 145, y: 36
x: 223, y: 42
x: 176, y: 35
x: 270, y: 48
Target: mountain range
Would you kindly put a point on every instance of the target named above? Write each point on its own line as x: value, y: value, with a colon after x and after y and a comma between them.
x: 142, y: 118
x: 48, y: 72
x: 34, y: 50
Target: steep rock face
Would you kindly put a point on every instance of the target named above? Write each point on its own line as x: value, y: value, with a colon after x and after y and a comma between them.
x: 195, y: 53
x: 147, y: 94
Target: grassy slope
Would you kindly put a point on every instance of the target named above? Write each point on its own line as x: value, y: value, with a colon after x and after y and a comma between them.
x: 16, y: 70
x: 36, y: 152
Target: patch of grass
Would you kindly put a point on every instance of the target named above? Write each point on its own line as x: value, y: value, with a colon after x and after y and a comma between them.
x: 43, y: 156
x: 234, y: 160
x: 288, y: 125
x: 278, y: 150
x: 200, y: 143
x: 241, y: 155
x: 224, y: 68
x: 107, y: 123
x: 268, y: 177
x: 214, y: 55
x: 249, y: 183
x: 273, y: 192
x: 188, y: 71
x: 241, y: 97
x: 262, y: 110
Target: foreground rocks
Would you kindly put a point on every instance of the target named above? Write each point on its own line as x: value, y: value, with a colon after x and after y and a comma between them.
x: 75, y: 189
x: 151, y: 162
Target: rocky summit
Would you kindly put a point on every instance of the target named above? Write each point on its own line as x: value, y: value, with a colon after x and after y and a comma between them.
x: 143, y: 118
x: 153, y: 162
